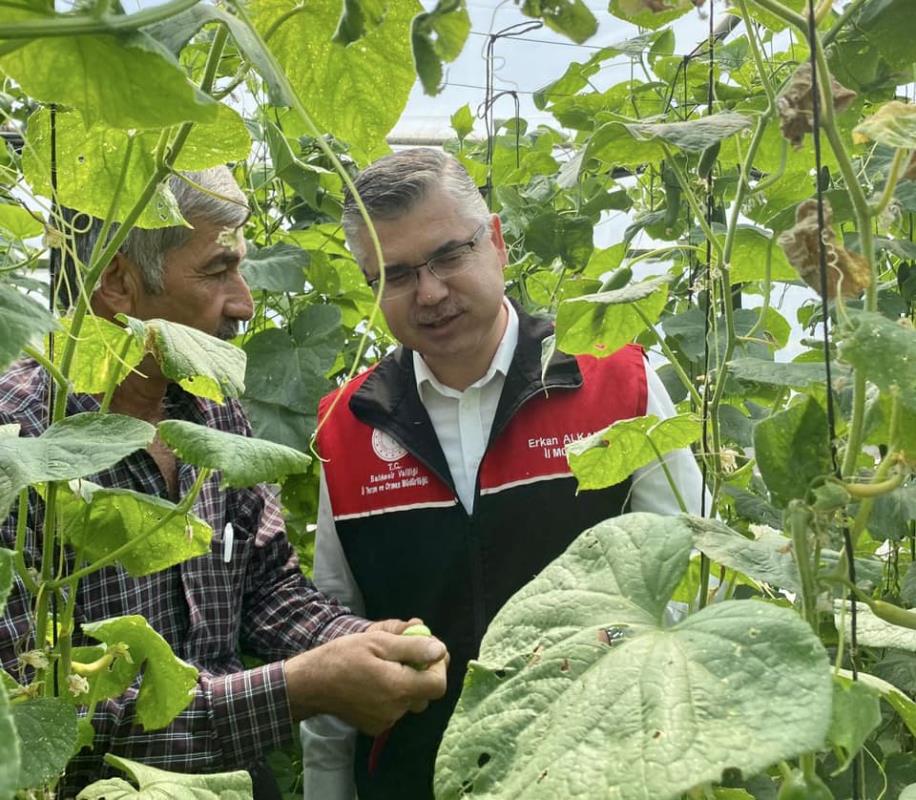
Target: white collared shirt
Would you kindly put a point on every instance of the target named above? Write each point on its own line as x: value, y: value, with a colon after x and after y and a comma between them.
x: 463, y: 420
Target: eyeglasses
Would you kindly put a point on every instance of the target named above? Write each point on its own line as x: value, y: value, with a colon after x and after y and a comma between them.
x: 445, y: 266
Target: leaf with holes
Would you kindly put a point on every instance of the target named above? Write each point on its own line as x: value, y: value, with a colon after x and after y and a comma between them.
x: 588, y: 635
x: 97, y: 521
x: 75, y: 447
x: 600, y: 324
x: 203, y: 365
x: 169, y: 684
x: 610, y: 456
x: 242, y: 461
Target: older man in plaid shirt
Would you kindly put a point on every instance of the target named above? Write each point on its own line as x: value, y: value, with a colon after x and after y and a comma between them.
x: 320, y: 657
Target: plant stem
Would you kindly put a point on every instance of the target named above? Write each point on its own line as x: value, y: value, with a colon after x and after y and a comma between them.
x: 798, y: 519
x: 115, y: 377
x: 671, y: 483
x: 901, y: 158
x: 22, y: 520
x: 672, y: 358
x: 65, y: 25
x: 692, y: 200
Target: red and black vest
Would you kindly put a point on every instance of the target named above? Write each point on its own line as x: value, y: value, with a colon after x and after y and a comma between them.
x: 413, y: 549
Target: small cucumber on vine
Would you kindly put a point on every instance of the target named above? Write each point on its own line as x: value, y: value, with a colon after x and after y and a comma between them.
x: 708, y: 160
x: 417, y: 630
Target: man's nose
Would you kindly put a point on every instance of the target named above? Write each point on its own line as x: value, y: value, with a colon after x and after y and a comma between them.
x: 240, y: 304
x: 430, y: 289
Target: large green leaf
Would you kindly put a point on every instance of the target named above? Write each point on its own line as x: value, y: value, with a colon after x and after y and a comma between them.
x: 278, y: 268
x: 157, y: 784
x: 6, y: 575
x: 891, y: 26
x: 796, y: 375
x: 339, y: 84
x: 437, y: 36
x: 897, y: 699
x: 617, y: 146
x: 693, y: 135
x: 203, y: 365
x: 600, y: 324
x: 168, y: 682
x: 47, y: 735
x: 791, y: 449
x: 289, y: 368
x: 104, y: 352
x: 612, y: 455
x: 569, y: 238
x: 883, y: 350
x: 9, y: 748
x: 751, y: 248
x: 90, y: 161
x: 569, y: 17
x: 581, y: 691
x: 78, y: 446
x: 97, y: 521
x: 125, y: 81
x: 22, y: 322
x: 856, y: 713
x: 242, y: 460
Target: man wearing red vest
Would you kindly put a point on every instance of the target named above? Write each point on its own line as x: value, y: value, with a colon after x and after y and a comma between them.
x: 445, y: 487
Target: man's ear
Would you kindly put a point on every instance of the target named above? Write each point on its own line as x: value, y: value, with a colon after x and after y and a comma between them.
x: 119, y: 288
x: 496, y: 237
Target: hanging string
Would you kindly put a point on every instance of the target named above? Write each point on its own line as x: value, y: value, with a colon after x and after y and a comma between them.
x: 710, y: 292
x: 54, y: 268
x: 831, y: 414
x: 486, y: 108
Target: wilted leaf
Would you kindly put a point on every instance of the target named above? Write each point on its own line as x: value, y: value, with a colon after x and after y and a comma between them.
x: 47, y: 733
x: 847, y: 272
x: 893, y: 125
x: 796, y: 112
x: 168, y: 682
x: 610, y: 456
x: 75, y: 447
x: 601, y: 324
x: 98, y: 520
x: 587, y: 635
x: 242, y: 460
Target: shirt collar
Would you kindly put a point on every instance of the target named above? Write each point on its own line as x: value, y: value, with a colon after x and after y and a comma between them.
x: 502, y: 360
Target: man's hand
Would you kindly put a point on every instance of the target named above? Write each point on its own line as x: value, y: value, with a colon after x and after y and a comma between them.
x: 364, y: 679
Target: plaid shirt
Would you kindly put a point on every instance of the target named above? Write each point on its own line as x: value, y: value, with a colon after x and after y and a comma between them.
x: 206, y: 609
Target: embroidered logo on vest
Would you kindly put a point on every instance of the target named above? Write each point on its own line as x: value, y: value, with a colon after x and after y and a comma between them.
x: 385, y: 447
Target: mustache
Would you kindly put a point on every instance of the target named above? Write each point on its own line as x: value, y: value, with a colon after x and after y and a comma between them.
x: 434, y: 315
x: 228, y: 329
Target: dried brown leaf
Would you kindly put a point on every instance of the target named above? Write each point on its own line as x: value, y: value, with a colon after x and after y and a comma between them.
x: 795, y: 104
x: 847, y: 272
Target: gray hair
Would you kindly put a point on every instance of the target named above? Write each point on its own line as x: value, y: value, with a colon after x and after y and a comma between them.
x: 396, y: 184
x: 210, y: 196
